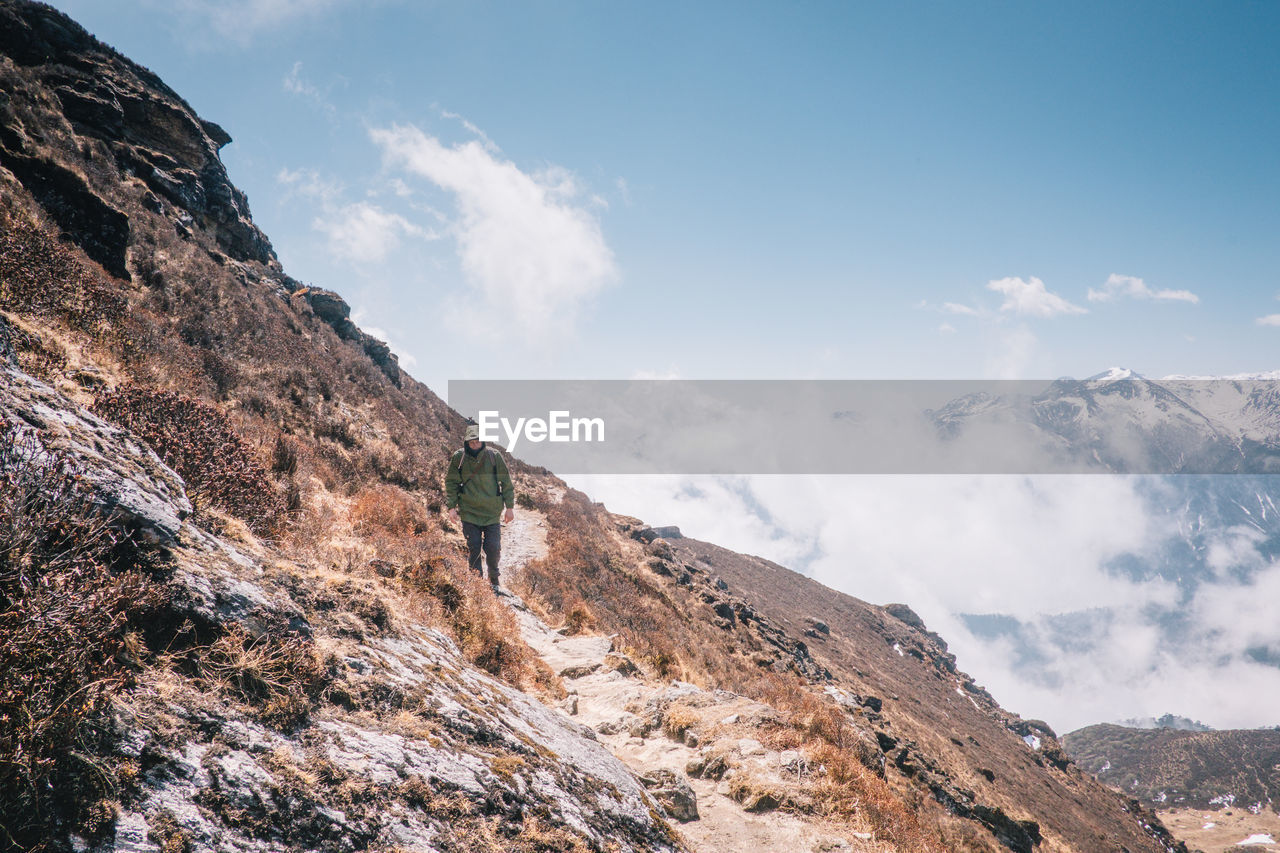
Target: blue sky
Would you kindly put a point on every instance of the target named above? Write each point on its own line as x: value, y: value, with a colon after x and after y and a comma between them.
x: 753, y: 190
x: 815, y: 190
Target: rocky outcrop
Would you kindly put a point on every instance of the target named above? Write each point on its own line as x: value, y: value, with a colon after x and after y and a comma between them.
x: 93, y: 224
x: 334, y: 310
x: 674, y: 794
x: 147, y: 129
x: 8, y: 356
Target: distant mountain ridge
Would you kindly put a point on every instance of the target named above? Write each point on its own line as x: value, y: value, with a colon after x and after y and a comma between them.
x: 1125, y: 423
x: 1172, y: 767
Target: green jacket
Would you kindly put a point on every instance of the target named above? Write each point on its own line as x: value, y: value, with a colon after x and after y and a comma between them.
x: 479, y: 486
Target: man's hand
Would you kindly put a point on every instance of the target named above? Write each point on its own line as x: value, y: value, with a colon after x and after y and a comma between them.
x: 509, y: 514
x: 453, y: 515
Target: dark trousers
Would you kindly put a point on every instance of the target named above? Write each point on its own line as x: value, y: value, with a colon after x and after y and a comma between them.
x: 488, y: 538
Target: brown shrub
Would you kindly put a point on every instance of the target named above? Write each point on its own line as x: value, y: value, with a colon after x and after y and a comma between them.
x: 197, y: 441
x: 579, y: 619
x: 678, y: 719
x: 40, y: 276
x: 486, y: 631
x: 389, y: 509
x: 73, y: 588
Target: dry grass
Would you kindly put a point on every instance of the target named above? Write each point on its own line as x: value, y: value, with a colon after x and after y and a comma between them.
x: 484, y: 628
x: 678, y: 719
x: 662, y: 626
x: 579, y: 619
x: 845, y: 789
x: 281, y: 676
x: 582, y: 554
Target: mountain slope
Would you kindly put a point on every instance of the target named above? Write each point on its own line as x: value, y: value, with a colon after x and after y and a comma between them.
x: 938, y: 728
x: 314, y: 668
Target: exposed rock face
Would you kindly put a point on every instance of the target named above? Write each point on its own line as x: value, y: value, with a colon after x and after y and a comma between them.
x: 383, y: 777
x: 8, y: 357
x: 125, y: 474
x: 145, y: 128
x: 96, y: 226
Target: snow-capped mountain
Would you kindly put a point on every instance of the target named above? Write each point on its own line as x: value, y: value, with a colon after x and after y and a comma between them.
x: 1121, y: 422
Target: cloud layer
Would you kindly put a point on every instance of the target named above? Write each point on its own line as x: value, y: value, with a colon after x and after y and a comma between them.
x: 1039, y: 548
x: 527, y: 243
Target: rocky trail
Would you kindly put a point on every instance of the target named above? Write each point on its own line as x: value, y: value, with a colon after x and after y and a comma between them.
x: 608, y: 694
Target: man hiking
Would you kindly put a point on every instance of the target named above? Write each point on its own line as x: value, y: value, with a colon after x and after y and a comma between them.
x: 476, y: 487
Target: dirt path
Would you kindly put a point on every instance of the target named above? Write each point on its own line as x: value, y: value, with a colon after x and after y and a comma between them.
x: 601, y: 697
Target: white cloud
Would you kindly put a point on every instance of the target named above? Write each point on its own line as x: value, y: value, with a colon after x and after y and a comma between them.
x: 1011, y: 353
x: 309, y: 183
x: 524, y: 242
x: 1031, y: 298
x: 471, y: 128
x: 947, y: 329
x: 672, y: 372
x: 359, y: 233
x: 1269, y: 320
x: 1135, y: 288
x: 364, y: 233
x: 950, y: 308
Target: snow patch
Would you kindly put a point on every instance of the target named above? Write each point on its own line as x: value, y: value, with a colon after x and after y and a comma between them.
x: 1256, y: 838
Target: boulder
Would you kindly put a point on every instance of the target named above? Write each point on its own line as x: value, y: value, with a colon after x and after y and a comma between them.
x: 673, y: 793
